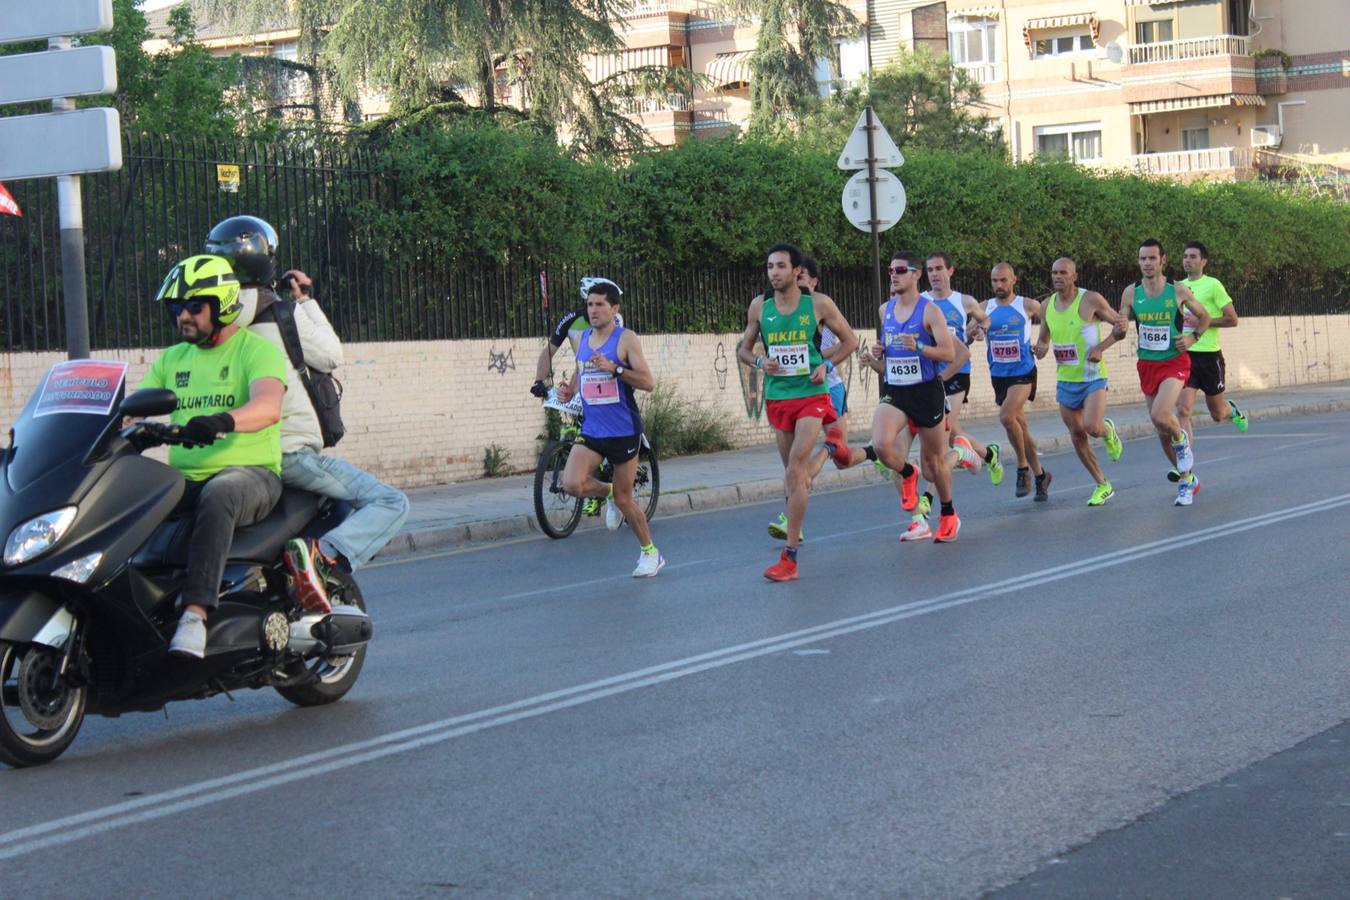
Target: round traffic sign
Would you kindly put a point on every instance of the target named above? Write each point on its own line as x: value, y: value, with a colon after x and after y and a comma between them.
x: 890, y: 201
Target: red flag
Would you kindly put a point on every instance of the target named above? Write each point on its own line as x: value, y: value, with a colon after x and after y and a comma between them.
x: 7, y: 203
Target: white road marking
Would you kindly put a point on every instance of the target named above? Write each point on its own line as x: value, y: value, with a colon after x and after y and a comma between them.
x: 68, y: 829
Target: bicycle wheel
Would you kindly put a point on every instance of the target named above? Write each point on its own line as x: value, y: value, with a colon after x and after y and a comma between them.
x: 557, y: 511
x: 647, y: 481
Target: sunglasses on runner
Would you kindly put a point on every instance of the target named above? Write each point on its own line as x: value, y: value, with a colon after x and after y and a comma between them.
x: 900, y: 270
x: 194, y: 307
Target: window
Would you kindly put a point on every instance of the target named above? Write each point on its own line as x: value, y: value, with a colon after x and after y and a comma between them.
x: 285, y: 51
x: 973, y: 41
x: 1081, y: 142
x: 1153, y: 32
x: 1195, y: 139
x: 1062, y: 44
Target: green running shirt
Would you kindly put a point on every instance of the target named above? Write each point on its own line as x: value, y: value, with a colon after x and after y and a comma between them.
x: 1213, y: 297
x: 1159, y: 322
x: 793, y: 340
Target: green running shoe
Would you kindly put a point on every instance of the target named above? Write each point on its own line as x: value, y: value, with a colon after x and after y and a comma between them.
x: 1239, y: 420
x: 1113, y: 445
x: 882, y: 469
x: 995, y: 464
x: 778, y: 529
x: 1101, y: 493
x: 591, y: 507
x: 925, y: 506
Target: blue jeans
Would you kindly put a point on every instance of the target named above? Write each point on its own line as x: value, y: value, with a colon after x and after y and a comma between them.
x: 380, y: 508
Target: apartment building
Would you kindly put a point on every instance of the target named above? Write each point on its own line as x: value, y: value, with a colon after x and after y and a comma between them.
x: 1193, y: 89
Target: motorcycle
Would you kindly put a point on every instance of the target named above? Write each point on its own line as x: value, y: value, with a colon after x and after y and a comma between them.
x: 94, y: 562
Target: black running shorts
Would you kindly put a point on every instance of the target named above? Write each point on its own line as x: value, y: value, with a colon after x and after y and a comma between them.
x: 924, y: 403
x: 1207, y: 372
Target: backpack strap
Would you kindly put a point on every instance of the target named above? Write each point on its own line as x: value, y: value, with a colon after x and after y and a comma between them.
x: 283, y: 310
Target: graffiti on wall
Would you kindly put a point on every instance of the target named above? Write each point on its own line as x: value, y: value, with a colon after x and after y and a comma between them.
x: 500, y: 362
x: 720, y: 366
x: 752, y: 386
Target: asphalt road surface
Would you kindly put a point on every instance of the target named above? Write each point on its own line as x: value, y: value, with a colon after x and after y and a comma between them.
x: 1137, y: 700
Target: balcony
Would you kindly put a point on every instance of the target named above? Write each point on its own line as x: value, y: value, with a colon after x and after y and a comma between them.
x: 1191, y: 48
x: 984, y: 74
x: 1232, y: 161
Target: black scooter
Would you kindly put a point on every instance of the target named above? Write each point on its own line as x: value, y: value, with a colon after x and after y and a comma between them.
x: 91, y: 573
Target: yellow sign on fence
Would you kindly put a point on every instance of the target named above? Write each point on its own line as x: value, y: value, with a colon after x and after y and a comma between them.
x: 228, y: 178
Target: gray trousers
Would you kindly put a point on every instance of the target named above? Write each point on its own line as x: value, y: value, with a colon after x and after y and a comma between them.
x: 239, y: 495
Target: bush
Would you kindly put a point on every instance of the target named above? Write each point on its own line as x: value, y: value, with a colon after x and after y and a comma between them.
x: 679, y: 427
x: 496, y: 461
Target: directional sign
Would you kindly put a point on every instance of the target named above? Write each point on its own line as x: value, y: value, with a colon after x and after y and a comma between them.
x: 890, y: 201
x: 855, y: 151
x: 79, y: 72
x: 60, y: 143
x: 53, y: 18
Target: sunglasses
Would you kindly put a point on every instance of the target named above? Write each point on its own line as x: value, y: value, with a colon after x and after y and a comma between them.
x: 900, y: 270
x: 194, y: 307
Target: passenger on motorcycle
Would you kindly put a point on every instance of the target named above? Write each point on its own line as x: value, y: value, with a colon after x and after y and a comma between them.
x: 230, y: 384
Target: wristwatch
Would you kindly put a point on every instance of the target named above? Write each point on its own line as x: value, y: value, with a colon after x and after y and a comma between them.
x: 618, y: 371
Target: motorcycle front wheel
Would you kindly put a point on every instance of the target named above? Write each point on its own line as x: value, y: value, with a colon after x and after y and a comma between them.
x: 37, y: 721
x: 334, y: 676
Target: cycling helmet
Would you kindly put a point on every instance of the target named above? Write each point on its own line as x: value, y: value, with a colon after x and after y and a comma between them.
x: 590, y: 281
x: 208, y: 278
x: 250, y: 244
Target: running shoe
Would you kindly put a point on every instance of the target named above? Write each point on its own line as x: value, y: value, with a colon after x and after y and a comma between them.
x: 1239, y: 420
x: 778, y: 529
x: 882, y: 469
x: 995, y: 464
x: 909, y: 490
x: 1113, y: 445
x: 1023, y: 483
x: 968, y: 459
x: 783, y: 570
x: 948, y: 526
x: 1043, y: 485
x: 1185, y: 458
x: 649, y: 563
x: 189, y: 638
x: 918, y: 529
x: 591, y: 507
x: 925, y: 506
x: 309, y: 589
x: 613, y: 515
x: 1101, y: 493
x: 1187, y: 488
x: 1173, y: 475
x: 842, y: 455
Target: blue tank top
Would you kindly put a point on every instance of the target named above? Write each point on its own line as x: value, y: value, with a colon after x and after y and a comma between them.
x: 1009, y: 338
x: 609, y: 405
x: 956, y: 320
x: 903, y: 367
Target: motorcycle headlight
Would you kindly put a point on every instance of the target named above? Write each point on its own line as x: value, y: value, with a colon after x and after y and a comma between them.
x: 38, y: 535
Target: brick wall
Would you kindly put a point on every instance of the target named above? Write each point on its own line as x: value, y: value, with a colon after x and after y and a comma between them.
x: 423, y: 413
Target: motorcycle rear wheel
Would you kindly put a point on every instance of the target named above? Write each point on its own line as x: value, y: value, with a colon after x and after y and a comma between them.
x: 37, y: 722
x: 335, y: 675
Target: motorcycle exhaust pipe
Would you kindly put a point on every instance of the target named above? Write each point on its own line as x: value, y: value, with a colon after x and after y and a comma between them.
x: 340, y: 633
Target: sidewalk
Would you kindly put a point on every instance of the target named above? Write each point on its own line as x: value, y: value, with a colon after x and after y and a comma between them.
x: 493, y: 509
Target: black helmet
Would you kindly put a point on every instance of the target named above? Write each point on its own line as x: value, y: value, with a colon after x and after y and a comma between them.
x: 250, y: 244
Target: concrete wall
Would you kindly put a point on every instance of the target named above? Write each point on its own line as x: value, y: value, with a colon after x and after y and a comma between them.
x: 423, y: 413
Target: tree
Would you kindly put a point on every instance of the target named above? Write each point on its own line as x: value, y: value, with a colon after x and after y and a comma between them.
x: 923, y: 100
x: 794, y: 36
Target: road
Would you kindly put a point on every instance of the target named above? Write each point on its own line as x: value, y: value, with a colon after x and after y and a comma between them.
x: 1134, y: 700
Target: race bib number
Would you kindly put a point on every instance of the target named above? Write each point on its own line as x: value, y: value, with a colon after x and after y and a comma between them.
x: 903, y: 370
x: 599, y: 388
x: 792, y: 359
x: 1155, y: 337
x: 1066, y: 354
x: 1006, y: 351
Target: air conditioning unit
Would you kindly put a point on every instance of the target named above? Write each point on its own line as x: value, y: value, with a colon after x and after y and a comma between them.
x: 1267, y: 135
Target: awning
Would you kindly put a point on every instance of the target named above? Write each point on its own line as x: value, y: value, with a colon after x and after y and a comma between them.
x: 1148, y: 107
x: 1150, y: 2
x: 730, y: 68
x: 1060, y: 21
x: 972, y: 12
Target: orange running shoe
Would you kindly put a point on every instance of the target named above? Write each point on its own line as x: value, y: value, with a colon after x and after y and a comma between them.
x: 842, y: 454
x: 948, y: 526
x: 909, y: 490
x: 783, y: 570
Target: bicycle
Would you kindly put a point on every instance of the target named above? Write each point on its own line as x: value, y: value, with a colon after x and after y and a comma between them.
x: 559, y: 512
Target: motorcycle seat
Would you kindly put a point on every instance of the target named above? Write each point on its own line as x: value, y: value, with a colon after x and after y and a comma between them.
x: 259, y: 542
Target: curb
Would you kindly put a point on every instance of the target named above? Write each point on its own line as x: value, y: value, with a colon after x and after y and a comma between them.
x: 442, y: 537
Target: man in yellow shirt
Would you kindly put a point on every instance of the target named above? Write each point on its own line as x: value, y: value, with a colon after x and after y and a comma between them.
x: 1207, y: 365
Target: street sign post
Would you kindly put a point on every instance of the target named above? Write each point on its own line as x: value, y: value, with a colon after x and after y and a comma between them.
x: 65, y: 142
x: 869, y: 147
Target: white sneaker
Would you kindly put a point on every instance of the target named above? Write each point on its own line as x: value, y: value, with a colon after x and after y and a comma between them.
x: 613, y: 517
x: 1186, y: 489
x: 189, y: 639
x: 1185, y: 458
x: 918, y: 530
x: 649, y: 564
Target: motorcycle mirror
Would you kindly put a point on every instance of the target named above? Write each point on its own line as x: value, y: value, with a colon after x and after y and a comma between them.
x: 149, y: 402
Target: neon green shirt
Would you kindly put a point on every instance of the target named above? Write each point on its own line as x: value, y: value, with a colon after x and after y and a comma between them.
x: 210, y: 380
x: 1213, y: 297
x: 1071, y: 338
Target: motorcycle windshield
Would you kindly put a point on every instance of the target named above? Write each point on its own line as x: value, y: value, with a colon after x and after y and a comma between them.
x: 64, y: 417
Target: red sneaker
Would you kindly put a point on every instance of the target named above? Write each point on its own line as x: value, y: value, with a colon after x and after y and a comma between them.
x: 842, y: 454
x: 783, y: 570
x: 909, y: 491
x: 948, y: 526
x: 302, y: 562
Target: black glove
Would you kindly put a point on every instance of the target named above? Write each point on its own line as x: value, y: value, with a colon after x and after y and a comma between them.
x: 539, y: 390
x: 203, y: 430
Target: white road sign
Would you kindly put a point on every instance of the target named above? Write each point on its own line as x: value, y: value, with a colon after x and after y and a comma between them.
x: 26, y: 20
x: 890, y: 201
x: 60, y: 143
x: 79, y: 72
x: 855, y: 151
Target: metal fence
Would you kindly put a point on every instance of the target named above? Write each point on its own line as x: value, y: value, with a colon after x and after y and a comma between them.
x: 159, y: 207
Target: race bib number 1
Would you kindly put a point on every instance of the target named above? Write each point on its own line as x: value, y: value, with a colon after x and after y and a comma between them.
x: 1006, y: 351
x: 599, y: 389
x: 903, y: 370
x: 792, y: 359
x: 1155, y: 337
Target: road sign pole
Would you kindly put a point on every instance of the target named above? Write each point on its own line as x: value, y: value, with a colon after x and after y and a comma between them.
x: 872, y: 200
x: 70, y: 212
